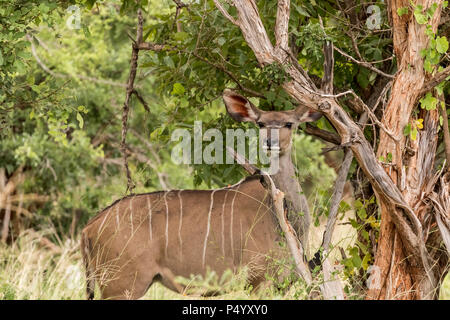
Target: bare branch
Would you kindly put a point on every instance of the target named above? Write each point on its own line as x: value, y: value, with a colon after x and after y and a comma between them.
x: 129, y: 92
x: 446, y: 132
x: 141, y: 99
x: 336, y: 198
x: 435, y: 80
x: 154, y: 46
x: 225, y: 12
x: 254, y: 32
x: 282, y: 25
x: 364, y: 64
x: 368, y: 110
x: 328, y: 64
x: 332, y: 289
x: 323, y: 134
x: 163, y: 47
x: 241, y: 160
x: 328, y: 67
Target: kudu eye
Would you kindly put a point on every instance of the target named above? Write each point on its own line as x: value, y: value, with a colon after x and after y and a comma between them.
x: 260, y: 124
x: 288, y: 125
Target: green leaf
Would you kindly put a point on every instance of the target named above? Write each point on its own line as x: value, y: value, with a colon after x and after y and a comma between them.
x: 402, y: 11
x: 362, y: 213
x: 181, y: 36
x: 428, y: 66
x: 441, y: 44
x: 389, y: 157
x: 414, y: 134
x: 407, y: 130
x: 428, y: 102
x: 221, y: 41
x: 366, y: 260
x: 80, y: 120
x: 420, y: 17
x: 86, y: 31
x: 178, y: 89
x: 363, y: 78
x: 301, y: 11
x: 169, y: 62
x: 440, y: 88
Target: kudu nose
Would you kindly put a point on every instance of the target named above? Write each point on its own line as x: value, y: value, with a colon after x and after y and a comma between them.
x: 271, y: 144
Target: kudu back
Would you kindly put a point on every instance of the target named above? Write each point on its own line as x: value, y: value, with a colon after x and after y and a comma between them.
x: 157, y: 236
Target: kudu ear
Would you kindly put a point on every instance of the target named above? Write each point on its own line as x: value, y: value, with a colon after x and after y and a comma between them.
x: 307, y: 115
x: 239, y: 108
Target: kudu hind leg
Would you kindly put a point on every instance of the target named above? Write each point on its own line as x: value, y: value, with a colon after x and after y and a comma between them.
x: 168, y: 280
x: 129, y: 284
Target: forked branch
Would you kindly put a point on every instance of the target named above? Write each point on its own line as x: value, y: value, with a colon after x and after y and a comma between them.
x: 129, y: 92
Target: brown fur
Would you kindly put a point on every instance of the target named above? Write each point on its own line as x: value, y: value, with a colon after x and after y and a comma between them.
x: 124, y: 258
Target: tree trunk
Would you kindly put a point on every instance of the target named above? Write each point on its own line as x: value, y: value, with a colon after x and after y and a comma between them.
x: 413, y: 160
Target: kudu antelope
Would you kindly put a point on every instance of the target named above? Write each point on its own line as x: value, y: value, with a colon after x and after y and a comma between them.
x: 156, y: 236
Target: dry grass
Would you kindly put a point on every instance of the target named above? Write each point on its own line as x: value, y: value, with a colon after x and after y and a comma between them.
x: 32, y: 268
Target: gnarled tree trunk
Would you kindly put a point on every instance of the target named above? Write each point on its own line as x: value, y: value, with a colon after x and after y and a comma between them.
x: 413, y: 161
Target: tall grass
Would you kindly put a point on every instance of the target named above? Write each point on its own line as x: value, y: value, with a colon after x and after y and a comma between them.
x: 34, y: 268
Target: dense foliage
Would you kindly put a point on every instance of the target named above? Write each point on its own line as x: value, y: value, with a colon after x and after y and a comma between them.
x: 62, y: 87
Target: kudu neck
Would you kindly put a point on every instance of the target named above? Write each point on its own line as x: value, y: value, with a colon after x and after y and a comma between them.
x: 286, y: 166
x: 286, y: 180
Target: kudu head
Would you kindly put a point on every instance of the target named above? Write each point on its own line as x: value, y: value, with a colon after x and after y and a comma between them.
x: 276, y: 127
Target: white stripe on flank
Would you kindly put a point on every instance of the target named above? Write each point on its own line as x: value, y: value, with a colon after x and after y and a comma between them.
x: 223, y: 223
x: 181, y: 224
x: 241, y: 244
x: 131, y: 215
x: 149, y: 208
x: 167, y: 222
x: 103, y: 222
x: 117, y: 216
x: 231, y: 223
x: 208, y: 226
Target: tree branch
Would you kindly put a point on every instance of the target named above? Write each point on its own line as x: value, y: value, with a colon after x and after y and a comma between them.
x: 323, y: 134
x: 364, y: 64
x: 328, y: 67
x: 446, y: 131
x: 141, y: 99
x: 163, y: 47
x: 129, y: 92
x: 225, y: 12
x: 282, y: 25
x: 435, y: 80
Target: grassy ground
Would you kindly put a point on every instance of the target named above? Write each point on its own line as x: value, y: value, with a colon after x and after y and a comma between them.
x: 33, y: 268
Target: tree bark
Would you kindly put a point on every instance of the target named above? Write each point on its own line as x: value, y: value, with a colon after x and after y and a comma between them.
x: 413, y: 160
